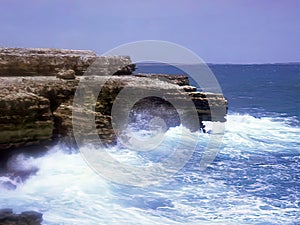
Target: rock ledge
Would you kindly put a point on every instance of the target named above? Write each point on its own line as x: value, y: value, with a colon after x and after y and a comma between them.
x: 37, y: 88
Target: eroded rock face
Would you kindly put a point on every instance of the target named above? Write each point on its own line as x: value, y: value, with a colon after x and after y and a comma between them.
x: 35, y: 109
x: 26, y: 108
x: 24, y: 118
x: 39, y: 105
x: 125, y: 100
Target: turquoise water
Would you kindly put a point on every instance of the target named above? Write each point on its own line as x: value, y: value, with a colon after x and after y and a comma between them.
x: 255, y: 178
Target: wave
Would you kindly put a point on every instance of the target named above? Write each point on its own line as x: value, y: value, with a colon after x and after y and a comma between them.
x: 253, y: 180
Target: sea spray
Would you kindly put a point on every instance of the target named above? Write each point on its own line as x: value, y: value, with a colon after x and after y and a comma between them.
x: 254, y: 179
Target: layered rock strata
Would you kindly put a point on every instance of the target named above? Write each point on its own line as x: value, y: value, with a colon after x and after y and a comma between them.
x: 51, y: 62
x: 37, y: 89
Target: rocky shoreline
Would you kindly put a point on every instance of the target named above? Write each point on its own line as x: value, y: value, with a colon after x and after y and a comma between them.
x: 37, y: 88
x: 37, y: 92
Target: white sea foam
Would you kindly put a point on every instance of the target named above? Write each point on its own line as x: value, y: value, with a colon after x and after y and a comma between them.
x: 67, y: 191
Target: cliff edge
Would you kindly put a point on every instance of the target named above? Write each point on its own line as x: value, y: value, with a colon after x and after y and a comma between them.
x: 37, y: 88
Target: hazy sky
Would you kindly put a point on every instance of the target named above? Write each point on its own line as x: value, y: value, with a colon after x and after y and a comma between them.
x: 236, y: 31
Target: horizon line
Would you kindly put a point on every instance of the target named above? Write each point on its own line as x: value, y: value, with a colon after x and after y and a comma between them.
x: 223, y: 63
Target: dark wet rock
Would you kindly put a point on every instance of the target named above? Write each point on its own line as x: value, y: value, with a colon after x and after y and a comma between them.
x: 188, y: 88
x: 7, y: 217
x: 126, y: 70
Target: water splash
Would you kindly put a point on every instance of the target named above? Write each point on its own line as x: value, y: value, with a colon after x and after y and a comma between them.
x: 254, y: 180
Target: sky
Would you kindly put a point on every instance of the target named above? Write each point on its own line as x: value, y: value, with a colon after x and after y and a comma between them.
x: 219, y: 31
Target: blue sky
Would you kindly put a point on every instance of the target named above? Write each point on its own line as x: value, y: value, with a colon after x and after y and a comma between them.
x: 219, y: 31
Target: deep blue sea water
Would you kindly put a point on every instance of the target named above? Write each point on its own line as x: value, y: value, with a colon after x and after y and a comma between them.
x: 255, y: 178
x: 259, y: 89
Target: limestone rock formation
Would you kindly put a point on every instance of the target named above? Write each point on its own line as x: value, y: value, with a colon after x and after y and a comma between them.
x: 26, y: 108
x: 48, y: 62
x: 37, y: 89
x: 66, y: 74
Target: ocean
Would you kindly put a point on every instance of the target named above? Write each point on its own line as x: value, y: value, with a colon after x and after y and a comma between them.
x: 255, y: 178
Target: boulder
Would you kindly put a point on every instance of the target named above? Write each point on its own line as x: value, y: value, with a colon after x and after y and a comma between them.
x: 7, y: 217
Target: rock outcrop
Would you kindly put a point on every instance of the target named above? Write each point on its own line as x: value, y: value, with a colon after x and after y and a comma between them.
x: 37, y: 88
x: 49, y: 62
x: 7, y: 217
x: 26, y: 108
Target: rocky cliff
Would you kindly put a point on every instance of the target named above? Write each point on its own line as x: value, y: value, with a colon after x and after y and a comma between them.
x: 37, y: 88
x: 52, y: 62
